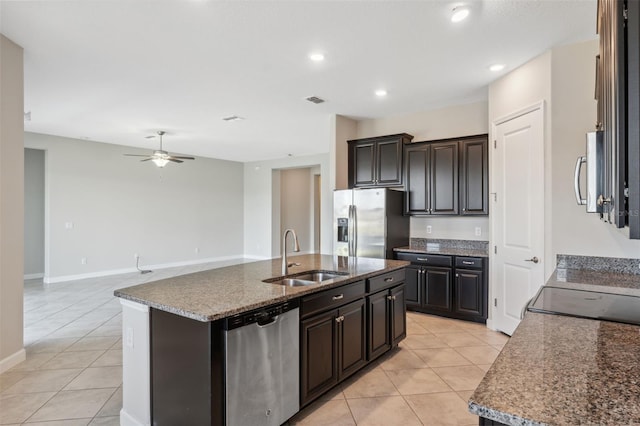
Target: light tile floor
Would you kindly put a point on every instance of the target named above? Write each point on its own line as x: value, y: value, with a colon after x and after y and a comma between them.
x: 73, y: 372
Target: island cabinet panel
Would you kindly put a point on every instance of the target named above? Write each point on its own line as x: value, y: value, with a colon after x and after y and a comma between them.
x: 379, y: 336
x: 413, y: 287
x: 319, y: 355
x: 377, y: 161
x: 344, y: 328
x: 187, y: 376
x: 398, y: 315
x: 352, y: 336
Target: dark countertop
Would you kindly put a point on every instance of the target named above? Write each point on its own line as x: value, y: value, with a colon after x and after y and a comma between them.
x: 564, y: 370
x: 220, y: 293
x: 449, y: 251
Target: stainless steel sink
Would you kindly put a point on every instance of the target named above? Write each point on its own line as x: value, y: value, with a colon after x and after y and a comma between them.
x: 306, y: 278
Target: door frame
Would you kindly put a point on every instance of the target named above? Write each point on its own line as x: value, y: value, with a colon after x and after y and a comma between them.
x: 539, y: 105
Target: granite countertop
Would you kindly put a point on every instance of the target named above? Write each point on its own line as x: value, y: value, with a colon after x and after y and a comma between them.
x: 220, y: 293
x: 565, y: 370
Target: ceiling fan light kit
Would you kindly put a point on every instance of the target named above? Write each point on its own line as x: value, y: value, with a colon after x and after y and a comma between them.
x: 160, y: 157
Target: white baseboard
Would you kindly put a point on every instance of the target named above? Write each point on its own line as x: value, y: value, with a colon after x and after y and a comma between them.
x: 64, y: 278
x: 12, y: 360
x: 253, y: 257
x: 127, y: 420
x: 33, y: 276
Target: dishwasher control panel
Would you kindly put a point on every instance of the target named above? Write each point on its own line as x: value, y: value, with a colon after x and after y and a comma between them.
x: 261, y: 316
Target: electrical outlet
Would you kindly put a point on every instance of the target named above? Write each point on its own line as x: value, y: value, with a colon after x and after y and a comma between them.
x: 128, y: 340
x: 197, y: 250
x: 68, y: 225
x: 83, y: 261
x: 478, y: 231
x: 428, y: 229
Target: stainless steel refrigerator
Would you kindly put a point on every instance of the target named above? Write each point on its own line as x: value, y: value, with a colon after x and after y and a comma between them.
x: 369, y: 222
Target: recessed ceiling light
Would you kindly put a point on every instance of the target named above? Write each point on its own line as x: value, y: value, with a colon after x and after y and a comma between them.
x: 459, y: 14
x: 316, y: 57
x: 496, y: 67
x: 381, y: 93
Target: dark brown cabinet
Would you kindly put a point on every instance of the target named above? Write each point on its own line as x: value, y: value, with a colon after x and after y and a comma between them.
x: 431, y: 175
x: 452, y: 286
x: 468, y: 287
x: 387, y: 320
x: 438, y: 286
x: 474, y: 177
x: 333, y: 348
x: 447, y: 177
x: 376, y: 162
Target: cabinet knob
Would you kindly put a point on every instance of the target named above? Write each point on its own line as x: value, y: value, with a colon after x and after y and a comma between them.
x: 457, y: 275
x: 338, y: 297
x: 389, y: 297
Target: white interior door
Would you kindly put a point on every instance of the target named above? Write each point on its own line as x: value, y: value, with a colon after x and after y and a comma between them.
x: 517, y: 219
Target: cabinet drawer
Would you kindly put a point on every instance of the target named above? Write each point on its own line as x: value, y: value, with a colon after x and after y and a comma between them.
x: 469, y: 262
x: 425, y: 259
x: 385, y: 280
x: 331, y: 298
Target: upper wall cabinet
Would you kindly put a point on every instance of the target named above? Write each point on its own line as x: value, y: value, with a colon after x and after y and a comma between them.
x: 474, y: 176
x: 376, y: 162
x: 447, y: 177
x: 431, y: 173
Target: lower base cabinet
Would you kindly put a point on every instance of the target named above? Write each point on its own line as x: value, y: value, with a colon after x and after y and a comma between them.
x: 337, y: 342
x: 387, y: 320
x: 333, y: 348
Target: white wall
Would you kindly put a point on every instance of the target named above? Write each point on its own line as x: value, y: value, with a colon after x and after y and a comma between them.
x: 33, y: 213
x: 449, y: 122
x: 344, y: 129
x: 296, y: 208
x: 574, y: 114
x: 259, y: 224
x: 11, y: 203
x: 119, y: 206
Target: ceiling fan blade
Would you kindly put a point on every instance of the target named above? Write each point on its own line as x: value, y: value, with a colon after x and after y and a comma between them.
x: 172, y: 159
x: 135, y: 155
x: 183, y: 158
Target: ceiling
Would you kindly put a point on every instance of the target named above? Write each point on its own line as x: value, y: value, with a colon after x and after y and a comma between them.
x: 116, y: 71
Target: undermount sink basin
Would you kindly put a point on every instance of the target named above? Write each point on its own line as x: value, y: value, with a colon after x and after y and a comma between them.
x: 305, y: 278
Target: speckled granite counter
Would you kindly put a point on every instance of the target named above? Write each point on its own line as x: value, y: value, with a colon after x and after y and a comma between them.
x: 219, y: 293
x: 561, y: 370
x: 446, y: 247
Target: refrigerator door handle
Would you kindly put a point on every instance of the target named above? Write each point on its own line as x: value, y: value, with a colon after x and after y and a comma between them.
x: 576, y: 181
x: 355, y: 231
x: 350, y: 231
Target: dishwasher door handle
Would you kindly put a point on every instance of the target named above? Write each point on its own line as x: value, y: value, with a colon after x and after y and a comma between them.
x: 271, y: 321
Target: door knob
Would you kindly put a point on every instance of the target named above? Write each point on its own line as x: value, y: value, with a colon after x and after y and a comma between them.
x: 534, y: 259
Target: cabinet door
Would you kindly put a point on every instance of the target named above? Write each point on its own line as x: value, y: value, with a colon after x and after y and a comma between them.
x: 364, y: 165
x: 438, y: 295
x: 319, y: 367
x: 413, y: 286
x: 469, y: 292
x: 416, y: 170
x: 444, y: 178
x: 352, y: 353
x: 379, y: 316
x: 474, y: 177
x: 398, y: 315
x: 389, y: 163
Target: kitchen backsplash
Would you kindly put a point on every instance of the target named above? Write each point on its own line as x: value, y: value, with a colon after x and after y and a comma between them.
x: 454, y: 228
x: 437, y: 243
x: 603, y: 264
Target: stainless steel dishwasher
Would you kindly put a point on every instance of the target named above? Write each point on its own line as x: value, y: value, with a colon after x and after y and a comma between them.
x: 263, y: 366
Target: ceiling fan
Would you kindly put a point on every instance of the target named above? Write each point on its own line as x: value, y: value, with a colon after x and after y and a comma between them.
x: 159, y: 157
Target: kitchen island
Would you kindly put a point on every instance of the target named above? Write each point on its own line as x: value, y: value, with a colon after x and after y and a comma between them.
x: 560, y: 370
x: 174, y: 330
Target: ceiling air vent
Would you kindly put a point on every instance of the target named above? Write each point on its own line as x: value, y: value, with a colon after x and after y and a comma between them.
x: 232, y: 118
x: 315, y: 99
